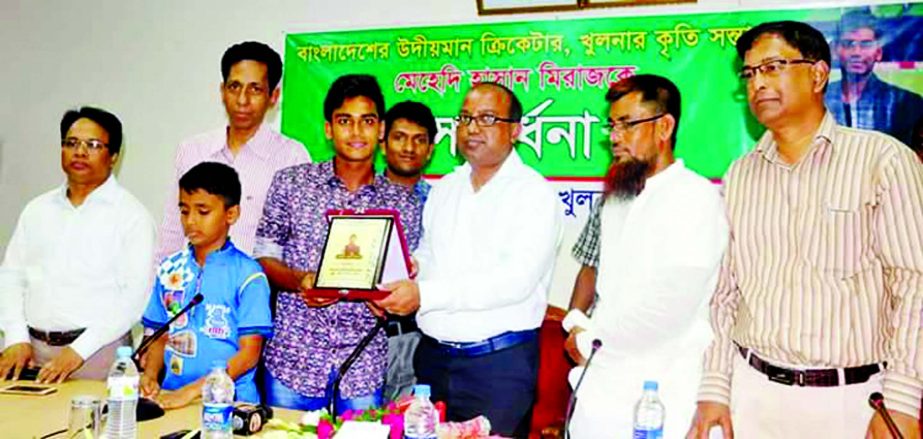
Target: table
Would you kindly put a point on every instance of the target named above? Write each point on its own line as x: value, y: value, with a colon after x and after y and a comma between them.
x: 28, y: 417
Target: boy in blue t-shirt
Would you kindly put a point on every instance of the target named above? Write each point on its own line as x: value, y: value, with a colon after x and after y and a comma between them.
x: 232, y: 322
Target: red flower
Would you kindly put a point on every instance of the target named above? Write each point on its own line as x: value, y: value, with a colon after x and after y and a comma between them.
x: 324, y: 429
x: 396, y: 422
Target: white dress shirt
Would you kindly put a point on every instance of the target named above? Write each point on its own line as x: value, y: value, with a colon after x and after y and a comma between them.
x: 486, y: 257
x: 659, y: 260
x: 72, y: 267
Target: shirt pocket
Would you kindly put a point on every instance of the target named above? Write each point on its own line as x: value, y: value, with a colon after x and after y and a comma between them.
x: 837, y: 237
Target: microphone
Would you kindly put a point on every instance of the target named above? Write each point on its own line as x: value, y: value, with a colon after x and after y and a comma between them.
x: 877, y: 401
x: 350, y: 359
x: 148, y: 341
x: 147, y: 409
x: 597, y: 343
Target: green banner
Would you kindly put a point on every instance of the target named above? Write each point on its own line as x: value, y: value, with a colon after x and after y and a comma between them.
x: 560, y: 69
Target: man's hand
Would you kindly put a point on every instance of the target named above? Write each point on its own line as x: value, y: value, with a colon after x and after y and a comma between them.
x: 58, y: 369
x: 908, y: 425
x: 375, y: 309
x: 708, y: 415
x: 571, y: 346
x: 180, y: 398
x: 15, y: 358
x: 150, y: 388
x: 404, y: 298
x: 307, y: 283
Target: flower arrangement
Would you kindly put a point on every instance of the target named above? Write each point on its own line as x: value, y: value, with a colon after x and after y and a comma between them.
x: 321, y: 425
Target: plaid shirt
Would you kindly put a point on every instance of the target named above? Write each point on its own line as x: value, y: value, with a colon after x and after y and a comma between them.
x: 586, y: 249
x: 881, y: 107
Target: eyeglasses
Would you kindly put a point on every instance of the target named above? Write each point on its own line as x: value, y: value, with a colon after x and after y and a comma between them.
x: 483, y: 120
x: 91, y: 145
x: 771, y: 68
x: 621, y: 126
x: 862, y: 44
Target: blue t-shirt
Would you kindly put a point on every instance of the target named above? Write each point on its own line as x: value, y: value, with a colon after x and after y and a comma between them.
x: 236, y: 303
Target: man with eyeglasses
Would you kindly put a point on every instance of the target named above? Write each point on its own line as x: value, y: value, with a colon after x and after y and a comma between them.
x: 820, y: 297
x: 491, y: 230
x: 75, y: 276
x: 656, y: 239
x: 251, y: 72
x: 312, y: 337
x: 861, y: 99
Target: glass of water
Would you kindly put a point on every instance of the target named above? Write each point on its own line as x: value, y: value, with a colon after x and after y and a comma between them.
x: 83, y: 421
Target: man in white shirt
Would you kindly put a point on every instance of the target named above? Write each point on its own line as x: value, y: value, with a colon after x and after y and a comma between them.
x: 75, y: 276
x: 491, y: 230
x: 661, y: 233
x: 251, y: 72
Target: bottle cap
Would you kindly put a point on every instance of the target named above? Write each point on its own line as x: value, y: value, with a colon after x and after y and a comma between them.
x: 421, y: 390
x: 650, y: 385
x: 123, y: 352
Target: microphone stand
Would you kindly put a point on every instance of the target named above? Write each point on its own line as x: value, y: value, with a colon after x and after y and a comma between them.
x: 353, y: 356
x: 149, y: 340
x: 573, y: 397
x: 876, y: 400
x: 147, y: 409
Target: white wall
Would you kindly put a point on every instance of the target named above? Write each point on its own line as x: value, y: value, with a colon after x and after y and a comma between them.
x: 156, y: 65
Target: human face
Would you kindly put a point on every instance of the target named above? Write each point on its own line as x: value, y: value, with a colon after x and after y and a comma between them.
x: 205, y: 219
x: 639, y: 134
x: 83, y: 165
x: 636, y: 141
x: 486, y: 147
x: 791, y: 91
x: 858, y: 51
x: 355, y: 129
x: 246, y: 95
x: 407, y: 148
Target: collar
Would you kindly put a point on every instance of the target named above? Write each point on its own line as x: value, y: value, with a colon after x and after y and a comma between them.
x: 823, y: 139
x: 217, y: 254
x: 108, y: 192
x: 421, y: 188
x: 663, y: 177
x: 259, y: 138
x: 329, y: 175
x: 511, y: 166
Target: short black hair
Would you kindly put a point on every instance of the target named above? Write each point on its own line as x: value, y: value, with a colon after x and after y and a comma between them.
x: 854, y: 20
x: 103, y: 118
x: 214, y: 178
x: 353, y: 86
x: 654, y: 89
x: 415, y: 112
x: 515, y: 104
x: 809, y: 41
x: 253, y: 51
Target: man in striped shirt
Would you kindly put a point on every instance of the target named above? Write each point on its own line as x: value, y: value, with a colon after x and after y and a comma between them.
x: 820, y: 294
x: 251, y: 72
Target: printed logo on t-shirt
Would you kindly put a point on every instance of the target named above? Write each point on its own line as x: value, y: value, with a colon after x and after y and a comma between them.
x: 173, y: 303
x: 176, y: 365
x: 183, y: 343
x: 216, y: 322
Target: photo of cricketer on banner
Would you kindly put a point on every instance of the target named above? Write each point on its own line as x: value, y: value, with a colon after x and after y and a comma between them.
x: 560, y: 70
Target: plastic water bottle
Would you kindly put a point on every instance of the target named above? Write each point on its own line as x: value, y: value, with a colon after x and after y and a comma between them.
x: 420, y: 418
x: 122, y: 386
x: 649, y: 414
x: 218, y: 403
